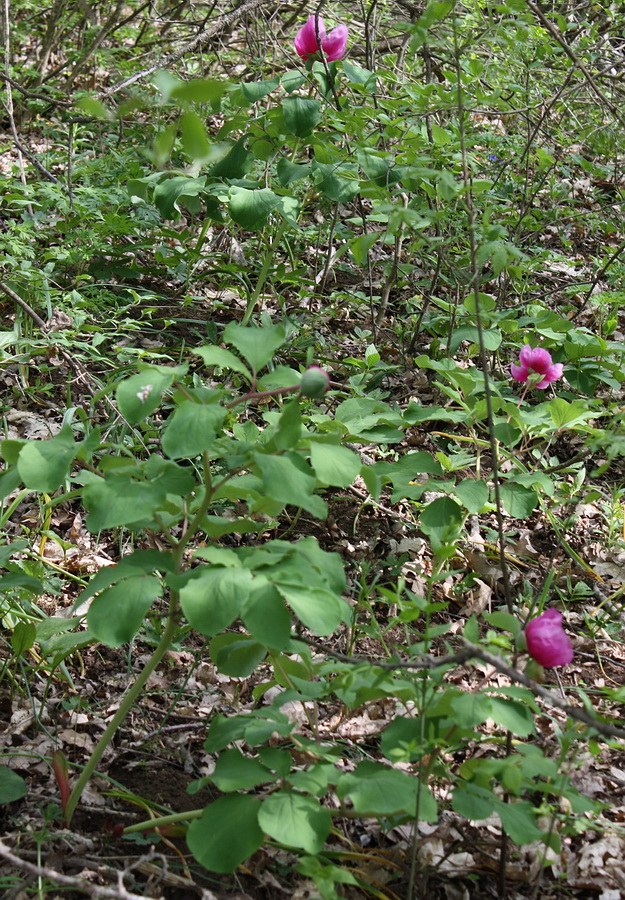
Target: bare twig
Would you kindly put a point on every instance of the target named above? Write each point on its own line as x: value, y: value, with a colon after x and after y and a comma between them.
x: 202, y: 38
x: 556, y: 34
x: 78, y: 884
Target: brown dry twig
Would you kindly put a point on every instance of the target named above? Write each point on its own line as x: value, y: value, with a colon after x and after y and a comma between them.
x: 78, y: 884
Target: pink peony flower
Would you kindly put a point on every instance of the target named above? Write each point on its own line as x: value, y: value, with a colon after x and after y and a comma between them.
x: 333, y: 45
x: 547, y: 642
x: 537, y: 361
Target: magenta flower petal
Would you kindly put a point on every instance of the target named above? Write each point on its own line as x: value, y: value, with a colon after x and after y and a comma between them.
x: 306, y: 38
x: 519, y: 373
x: 335, y: 44
x: 547, y: 642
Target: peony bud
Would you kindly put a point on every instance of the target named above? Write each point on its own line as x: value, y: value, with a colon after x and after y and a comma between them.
x: 315, y: 382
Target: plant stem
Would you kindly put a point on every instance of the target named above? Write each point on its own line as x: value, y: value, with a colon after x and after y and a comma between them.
x: 264, y: 272
x: 126, y: 705
x: 161, y: 821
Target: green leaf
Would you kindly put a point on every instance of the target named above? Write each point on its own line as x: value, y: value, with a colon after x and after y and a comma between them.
x: 250, y: 208
x: 295, y: 820
x: 256, y: 90
x: 378, y: 790
x: 212, y: 600
x: 224, y: 359
x: 192, y: 429
x: 512, y: 715
x: 504, y: 620
x: 171, y: 190
x: 23, y: 637
x: 442, y: 518
x: 471, y: 801
x: 256, y: 345
x: 227, y: 833
x: 199, y: 90
x: 289, y: 426
x: 358, y: 75
x: 301, y: 115
x: 44, y: 465
x: 266, y: 617
x: 288, y: 171
x: 18, y: 580
x: 318, y: 609
x: 339, y: 183
x: 334, y: 464
x: 289, y: 479
x: 116, y: 615
x: 10, y: 479
x: 236, y: 654
x: 236, y: 772
x: 518, y: 501
x: 519, y: 820
x: 235, y: 164
x: 12, y: 785
x: 193, y: 136
x: 472, y: 493
x: 117, y: 500
x: 140, y: 395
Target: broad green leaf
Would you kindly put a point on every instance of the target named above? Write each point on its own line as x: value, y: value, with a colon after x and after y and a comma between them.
x: 44, y: 465
x: 295, y: 820
x: 236, y: 772
x: 266, y: 617
x: 10, y: 479
x: 200, y: 90
x: 141, y: 562
x: 318, y: 609
x: 116, y: 615
x: 227, y: 833
x: 504, y: 620
x: 378, y: 790
x: 193, y: 136
x: 192, y: 429
x: 370, y: 420
x: 361, y: 245
x: 140, y: 395
x: 442, y: 518
x: 289, y: 426
x: 288, y: 171
x: 339, y: 183
x: 12, y: 785
x: 472, y: 802
x: 250, y: 208
x: 171, y: 190
x: 301, y: 115
x: 212, y: 600
x: 358, y: 75
x: 236, y: 654
x: 19, y: 580
x: 334, y: 464
x: 23, y: 637
x: 256, y: 345
x: 234, y: 164
x: 117, y: 500
x: 519, y: 820
x: 518, y: 501
x: 256, y: 90
x: 512, y: 715
x: 224, y: 359
x: 472, y: 493
x: 289, y: 479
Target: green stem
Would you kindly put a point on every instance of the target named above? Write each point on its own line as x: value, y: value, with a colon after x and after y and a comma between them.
x: 264, y: 272
x: 159, y: 821
x: 124, y: 708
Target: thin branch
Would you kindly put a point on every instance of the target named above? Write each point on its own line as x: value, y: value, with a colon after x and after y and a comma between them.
x: 556, y: 34
x: 78, y: 884
x: 202, y: 38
